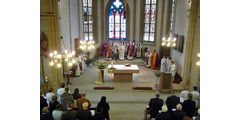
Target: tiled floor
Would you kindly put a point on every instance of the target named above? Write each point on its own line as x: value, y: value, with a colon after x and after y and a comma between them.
x: 125, y: 103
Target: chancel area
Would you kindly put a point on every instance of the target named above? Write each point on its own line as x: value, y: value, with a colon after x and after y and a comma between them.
x: 120, y: 59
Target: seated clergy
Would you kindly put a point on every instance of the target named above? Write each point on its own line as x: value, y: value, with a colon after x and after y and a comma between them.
x: 155, y: 105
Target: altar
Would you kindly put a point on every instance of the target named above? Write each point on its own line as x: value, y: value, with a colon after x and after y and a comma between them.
x: 123, y: 73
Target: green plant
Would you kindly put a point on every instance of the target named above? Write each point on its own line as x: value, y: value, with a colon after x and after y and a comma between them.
x: 101, y: 65
x: 89, y: 61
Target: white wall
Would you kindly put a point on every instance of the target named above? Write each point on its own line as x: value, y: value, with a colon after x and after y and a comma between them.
x: 181, y: 27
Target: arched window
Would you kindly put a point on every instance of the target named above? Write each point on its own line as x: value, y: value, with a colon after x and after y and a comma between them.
x: 150, y: 20
x: 88, y: 19
x: 117, y: 20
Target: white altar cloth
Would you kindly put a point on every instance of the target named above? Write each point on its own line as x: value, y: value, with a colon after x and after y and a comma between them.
x: 123, y: 67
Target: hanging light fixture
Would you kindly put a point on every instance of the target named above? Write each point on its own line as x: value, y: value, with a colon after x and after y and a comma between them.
x: 67, y: 56
x: 169, y: 41
x: 87, y: 44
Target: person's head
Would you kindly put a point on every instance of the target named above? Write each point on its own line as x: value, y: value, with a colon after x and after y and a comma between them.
x: 170, y: 58
x: 164, y: 56
x: 103, y: 99
x: 157, y: 95
x: 164, y: 108
x: 54, y: 98
x: 195, y: 88
x: 62, y: 85
x: 173, y: 92
x: 41, y: 93
x: 154, y: 50
x: 85, y: 105
x: 50, y: 89
x: 179, y: 107
x: 69, y: 105
x: 76, y: 91
x: 83, y: 94
x: 66, y: 90
x: 189, y: 95
x: 172, y: 62
x: 59, y: 107
x: 45, y: 110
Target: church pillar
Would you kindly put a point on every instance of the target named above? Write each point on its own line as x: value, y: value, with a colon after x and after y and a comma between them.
x: 99, y: 28
x: 137, y: 27
x: 188, y: 48
x: 81, y: 20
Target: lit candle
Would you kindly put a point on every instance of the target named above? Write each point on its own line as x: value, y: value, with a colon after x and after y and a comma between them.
x: 46, y: 78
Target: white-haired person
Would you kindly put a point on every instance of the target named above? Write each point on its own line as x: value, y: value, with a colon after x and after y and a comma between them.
x: 183, y: 95
x: 178, y: 114
x: 85, y: 113
x: 163, y: 115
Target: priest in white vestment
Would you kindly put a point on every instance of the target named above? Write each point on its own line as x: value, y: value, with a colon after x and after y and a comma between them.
x: 77, y: 73
x: 169, y: 63
x: 121, y: 51
x: 148, y: 57
x: 173, y: 69
x: 163, y: 65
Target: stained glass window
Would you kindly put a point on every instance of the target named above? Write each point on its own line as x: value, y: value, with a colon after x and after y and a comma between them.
x: 87, y: 20
x: 150, y: 20
x: 117, y: 21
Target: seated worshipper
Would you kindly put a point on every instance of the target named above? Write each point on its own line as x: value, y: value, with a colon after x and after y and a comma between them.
x: 60, y: 91
x: 43, y: 102
x: 183, y: 95
x: 178, y: 114
x: 104, y: 106
x: 172, y: 102
x: 65, y: 98
x: 109, y: 51
x: 155, y: 60
x: 85, y: 113
x: 164, y: 115
x: 198, y: 116
x: 69, y: 114
x: 130, y: 51
x: 163, y: 68
x: 53, y: 103
x: 98, y: 114
x: 82, y: 100
x: 49, y: 95
x: 76, y: 94
x: 173, y: 69
x: 57, y: 113
x: 148, y: 57
x: 195, y: 95
x: 189, y: 106
x: 45, y: 114
x: 155, y: 105
x: 121, y: 51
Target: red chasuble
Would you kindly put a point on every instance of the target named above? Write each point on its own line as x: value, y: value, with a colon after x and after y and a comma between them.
x: 155, y: 61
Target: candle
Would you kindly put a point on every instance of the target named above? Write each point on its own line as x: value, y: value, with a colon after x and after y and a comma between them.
x: 46, y: 78
x: 112, y: 64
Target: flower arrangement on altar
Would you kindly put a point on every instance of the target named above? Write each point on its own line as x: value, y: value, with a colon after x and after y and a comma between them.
x: 101, y: 65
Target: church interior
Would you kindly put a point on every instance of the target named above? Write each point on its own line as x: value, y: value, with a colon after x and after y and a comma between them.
x: 128, y: 51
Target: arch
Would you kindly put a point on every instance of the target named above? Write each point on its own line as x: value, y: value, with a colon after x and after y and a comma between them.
x: 117, y: 28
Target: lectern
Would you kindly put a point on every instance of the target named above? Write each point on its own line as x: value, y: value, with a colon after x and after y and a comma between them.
x: 165, y: 82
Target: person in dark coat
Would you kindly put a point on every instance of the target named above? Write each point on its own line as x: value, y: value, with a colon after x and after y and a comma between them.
x: 172, y: 102
x: 53, y: 104
x: 84, y: 114
x: 65, y: 98
x: 76, y: 94
x: 178, y: 114
x: 189, y: 106
x: 104, y: 106
x: 98, y: 114
x: 164, y: 115
x: 45, y: 114
x: 155, y: 105
x: 69, y: 114
x: 43, y: 102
